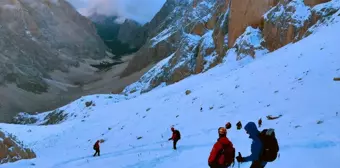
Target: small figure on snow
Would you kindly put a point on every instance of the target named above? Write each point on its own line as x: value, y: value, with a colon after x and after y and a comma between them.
x: 96, y: 147
x: 239, y: 125
x: 228, y: 125
x: 260, y: 122
x: 176, y: 136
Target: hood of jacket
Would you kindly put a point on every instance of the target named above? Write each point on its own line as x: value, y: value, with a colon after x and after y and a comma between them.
x: 252, y: 130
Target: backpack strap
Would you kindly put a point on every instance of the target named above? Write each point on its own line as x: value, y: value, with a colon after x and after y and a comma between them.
x: 221, y: 152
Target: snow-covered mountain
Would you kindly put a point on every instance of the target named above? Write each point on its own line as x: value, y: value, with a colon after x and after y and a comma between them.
x: 294, y: 83
x: 114, y: 30
x: 198, y: 34
x: 46, y: 50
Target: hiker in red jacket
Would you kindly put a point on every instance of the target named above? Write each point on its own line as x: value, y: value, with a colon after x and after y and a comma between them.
x: 222, y: 154
x: 176, y: 135
x: 96, y: 147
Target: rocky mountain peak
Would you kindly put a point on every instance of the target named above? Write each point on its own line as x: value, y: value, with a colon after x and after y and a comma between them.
x: 199, y: 34
x: 46, y: 47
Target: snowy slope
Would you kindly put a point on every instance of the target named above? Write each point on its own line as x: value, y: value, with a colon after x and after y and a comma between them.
x: 294, y: 81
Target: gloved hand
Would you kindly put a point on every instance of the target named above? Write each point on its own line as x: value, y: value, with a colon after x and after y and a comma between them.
x: 169, y: 139
x: 239, y: 159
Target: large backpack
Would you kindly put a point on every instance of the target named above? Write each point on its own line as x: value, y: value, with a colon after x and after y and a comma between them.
x: 228, y: 152
x: 270, y: 145
x: 178, y: 134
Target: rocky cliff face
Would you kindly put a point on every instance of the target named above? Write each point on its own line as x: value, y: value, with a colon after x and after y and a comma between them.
x: 187, y: 43
x: 209, y: 31
x: 246, y: 13
x: 46, y: 48
x: 132, y: 33
x: 122, y: 38
x: 11, y: 150
x: 163, y: 38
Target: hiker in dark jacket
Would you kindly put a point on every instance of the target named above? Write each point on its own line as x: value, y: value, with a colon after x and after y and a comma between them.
x: 96, y: 147
x: 256, y: 147
x: 260, y: 122
x: 228, y: 125
x: 175, y: 137
x: 217, y: 158
x: 239, y: 125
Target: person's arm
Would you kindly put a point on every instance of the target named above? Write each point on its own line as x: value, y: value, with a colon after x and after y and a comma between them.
x: 172, y: 137
x: 216, y: 148
x: 255, y: 151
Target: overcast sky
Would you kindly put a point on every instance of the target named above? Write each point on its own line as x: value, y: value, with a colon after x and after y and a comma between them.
x: 139, y: 10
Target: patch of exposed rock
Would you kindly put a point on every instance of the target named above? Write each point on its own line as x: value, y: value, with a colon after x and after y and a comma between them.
x: 312, y: 3
x: 285, y: 23
x: 289, y: 21
x: 11, y: 150
x: 246, y: 13
x: 250, y: 43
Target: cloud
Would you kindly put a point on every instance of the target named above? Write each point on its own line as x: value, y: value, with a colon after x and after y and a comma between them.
x: 139, y: 10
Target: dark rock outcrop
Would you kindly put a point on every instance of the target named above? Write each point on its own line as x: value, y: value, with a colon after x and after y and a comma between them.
x: 312, y: 3
x: 132, y: 33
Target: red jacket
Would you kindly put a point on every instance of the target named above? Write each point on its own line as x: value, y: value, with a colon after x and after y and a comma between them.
x: 174, y: 136
x: 96, y: 145
x: 218, y: 146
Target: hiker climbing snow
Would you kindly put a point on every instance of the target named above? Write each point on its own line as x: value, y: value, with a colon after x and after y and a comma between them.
x: 176, y: 136
x: 222, y: 154
x: 96, y: 147
x: 260, y: 122
x: 264, y: 147
x: 239, y: 125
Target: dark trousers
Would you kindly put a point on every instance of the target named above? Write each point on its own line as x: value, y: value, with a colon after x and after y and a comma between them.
x: 97, y: 152
x: 175, y: 144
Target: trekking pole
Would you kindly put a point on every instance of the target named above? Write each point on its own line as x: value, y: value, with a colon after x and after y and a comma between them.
x: 239, y: 164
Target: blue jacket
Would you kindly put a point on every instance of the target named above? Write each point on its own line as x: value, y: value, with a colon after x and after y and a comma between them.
x: 256, y: 146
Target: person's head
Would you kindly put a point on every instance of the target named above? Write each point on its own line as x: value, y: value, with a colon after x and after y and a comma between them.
x: 251, y: 129
x: 222, y: 132
x: 172, y: 129
x: 228, y: 125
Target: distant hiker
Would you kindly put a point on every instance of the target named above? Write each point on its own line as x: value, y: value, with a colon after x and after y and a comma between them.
x: 239, y: 125
x: 260, y: 122
x: 96, y: 147
x: 222, y: 154
x: 264, y: 147
x: 176, y: 135
x: 228, y: 125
